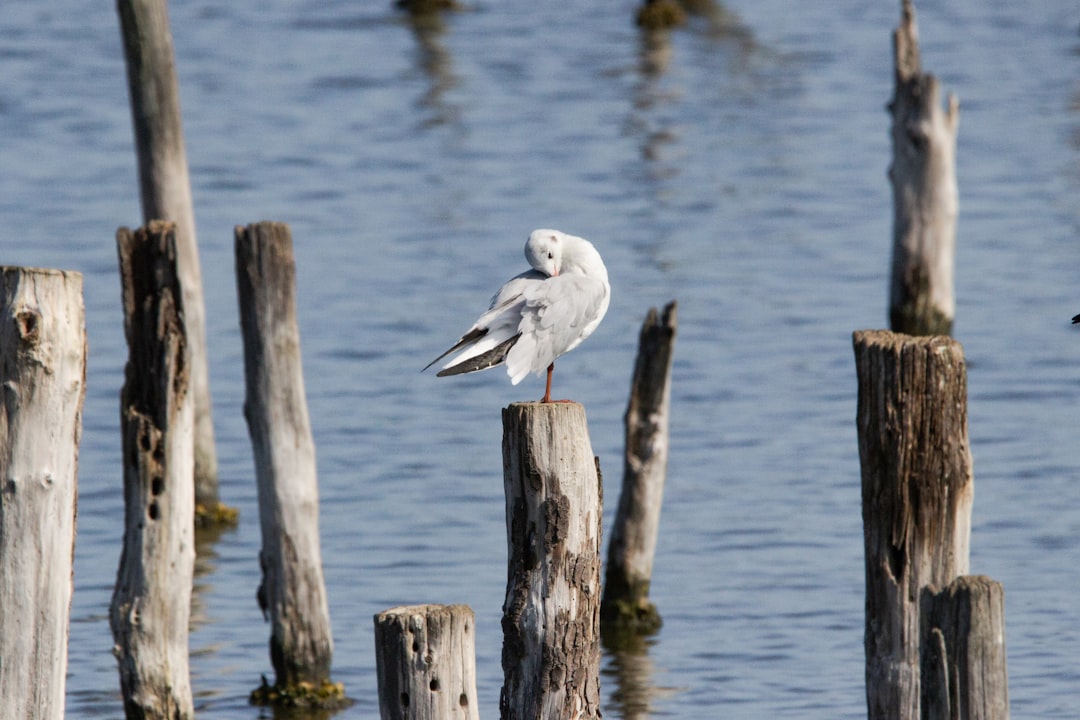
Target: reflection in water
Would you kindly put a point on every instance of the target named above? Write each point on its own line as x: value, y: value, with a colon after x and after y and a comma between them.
x: 435, y: 62
x: 205, y: 566
x: 628, y: 665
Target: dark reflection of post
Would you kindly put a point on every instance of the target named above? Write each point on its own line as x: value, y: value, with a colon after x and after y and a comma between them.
x: 205, y: 567
x: 629, y: 665
x: 433, y: 59
x: 287, y: 713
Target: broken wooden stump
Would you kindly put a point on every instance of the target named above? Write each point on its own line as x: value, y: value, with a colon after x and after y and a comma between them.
x: 551, y: 614
x: 925, y: 206
x: 151, y: 603
x: 626, y: 607
x: 43, y: 383
x: 426, y: 663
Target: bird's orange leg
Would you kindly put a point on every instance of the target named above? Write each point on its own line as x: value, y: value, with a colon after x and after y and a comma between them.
x: 547, y: 389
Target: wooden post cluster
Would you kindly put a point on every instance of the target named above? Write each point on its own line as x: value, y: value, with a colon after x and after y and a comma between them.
x: 917, y: 492
x: 426, y: 663
x: 551, y: 614
x: 152, y: 599
x: 165, y: 192
x: 632, y: 547
x: 43, y: 383
x: 923, y: 176
x: 292, y: 594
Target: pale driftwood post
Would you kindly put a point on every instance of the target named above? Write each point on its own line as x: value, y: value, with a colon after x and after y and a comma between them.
x: 632, y: 547
x: 152, y: 600
x: 42, y: 383
x: 917, y: 490
x: 425, y: 659
x: 551, y: 614
x: 292, y: 594
x: 923, y: 176
x: 165, y: 191
x: 963, y: 651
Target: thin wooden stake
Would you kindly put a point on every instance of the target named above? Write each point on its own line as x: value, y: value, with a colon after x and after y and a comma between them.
x: 626, y: 607
x: 426, y: 663
x: 151, y: 603
x: 917, y: 490
x: 551, y: 614
x: 165, y: 192
x: 292, y: 594
x: 42, y: 386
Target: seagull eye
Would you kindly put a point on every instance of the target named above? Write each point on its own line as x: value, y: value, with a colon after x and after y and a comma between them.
x: 551, y: 256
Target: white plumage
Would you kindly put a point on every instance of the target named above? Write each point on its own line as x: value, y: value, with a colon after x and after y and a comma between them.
x: 538, y: 315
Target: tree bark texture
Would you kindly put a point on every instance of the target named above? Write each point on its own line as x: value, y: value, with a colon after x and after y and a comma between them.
x: 43, y: 382
x: 551, y: 614
x: 634, y: 533
x: 292, y: 594
x: 426, y: 663
x: 151, y: 603
x: 917, y: 490
x: 925, y: 205
x: 165, y: 192
x: 963, y: 639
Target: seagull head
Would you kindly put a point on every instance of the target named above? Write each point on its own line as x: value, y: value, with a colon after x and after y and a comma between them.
x: 544, y: 251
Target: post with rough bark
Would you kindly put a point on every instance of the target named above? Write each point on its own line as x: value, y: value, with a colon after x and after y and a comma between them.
x: 43, y: 383
x: 626, y: 607
x: 152, y: 600
x: 917, y: 491
x: 292, y: 594
x: 963, y: 651
x: 165, y: 193
x: 923, y: 176
x: 551, y: 614
x: 425, y: 660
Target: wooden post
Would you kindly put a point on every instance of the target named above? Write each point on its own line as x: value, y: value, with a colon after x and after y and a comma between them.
x: 632, y: 547
x: 292, y: 594
x: 425, y: 659
x: 152, y: 600
x: 963, y: 658
x: 917, y: 491
x: 165, y: 192
x: 551, y: 614
x: 923, y: 176
x: 42, y: 386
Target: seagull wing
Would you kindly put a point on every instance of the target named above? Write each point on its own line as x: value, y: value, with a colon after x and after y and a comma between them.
x: 557, y: 314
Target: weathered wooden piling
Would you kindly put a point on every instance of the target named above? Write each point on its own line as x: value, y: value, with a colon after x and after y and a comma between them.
x: 923, y: 176
x: 963, y: 651
x: 292, y: 594
x: 425, y: 659
x: 626, y: 607
x: 551, y: 614
x: 917, y: 490
x: 43, y: 383
x: 165, y: 193
x: 152, y: 599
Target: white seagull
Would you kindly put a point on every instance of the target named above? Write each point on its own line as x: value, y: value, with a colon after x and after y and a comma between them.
x: 539, y: 315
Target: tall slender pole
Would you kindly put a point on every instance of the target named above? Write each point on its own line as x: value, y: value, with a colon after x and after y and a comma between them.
x: 292, y: 594
x: 165, y: 192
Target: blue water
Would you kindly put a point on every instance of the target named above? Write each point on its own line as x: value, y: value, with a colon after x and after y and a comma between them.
x: 738, y: 167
